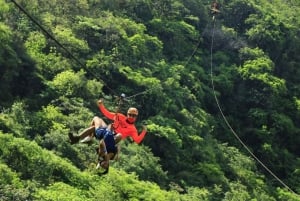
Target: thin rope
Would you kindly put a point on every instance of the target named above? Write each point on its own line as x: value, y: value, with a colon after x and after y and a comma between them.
x: 226, y: 121
x: 58, y: 43
x: 67, y: 51
x: 46, y: 32
x: 194, y: 51
x: 140, y: 93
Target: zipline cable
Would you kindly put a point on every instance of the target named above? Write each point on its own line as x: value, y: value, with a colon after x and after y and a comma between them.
x: 47, y: 33
x: 58, y: 43
x: 67, y: 51
x: 226, y: 121
x: 212, y: 82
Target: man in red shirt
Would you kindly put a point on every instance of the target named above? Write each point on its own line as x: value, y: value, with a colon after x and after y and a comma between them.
x: 123, y: 126
x: 109, y: 135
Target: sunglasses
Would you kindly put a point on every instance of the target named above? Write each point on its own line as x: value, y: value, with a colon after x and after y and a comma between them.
x: 132, y: 115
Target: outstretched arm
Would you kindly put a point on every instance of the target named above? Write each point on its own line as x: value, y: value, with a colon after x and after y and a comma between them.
x: 138, y: 138
x: 105, y: 112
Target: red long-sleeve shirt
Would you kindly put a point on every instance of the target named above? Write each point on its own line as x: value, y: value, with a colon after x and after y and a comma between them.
x: 120, y: 125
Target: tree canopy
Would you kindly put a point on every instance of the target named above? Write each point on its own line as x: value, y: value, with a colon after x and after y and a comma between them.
x: 164, y: 55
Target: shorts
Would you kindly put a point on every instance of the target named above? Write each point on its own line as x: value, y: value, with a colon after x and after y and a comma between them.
x: 108, y: 136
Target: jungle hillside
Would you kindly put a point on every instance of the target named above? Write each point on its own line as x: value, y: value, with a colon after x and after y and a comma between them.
x: 218, y: 91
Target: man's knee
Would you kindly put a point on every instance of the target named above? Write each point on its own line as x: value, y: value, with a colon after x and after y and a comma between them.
x: 96, y: 118
x: 97, y: 121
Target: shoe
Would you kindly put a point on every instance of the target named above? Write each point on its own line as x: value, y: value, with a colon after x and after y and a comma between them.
x: 87, y: 139
x: 73, y: 139
x: 98, y: 165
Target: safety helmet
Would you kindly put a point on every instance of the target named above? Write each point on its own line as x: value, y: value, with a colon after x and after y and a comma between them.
x: 133, y: 111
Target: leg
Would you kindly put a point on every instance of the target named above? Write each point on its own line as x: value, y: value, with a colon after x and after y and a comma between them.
x: 102, y: 149
x: 87, y: 135
x: 90, y: 133
x: 106, y: 150
x: 98, y: 122
x: 87, y: 132
x: 118, y: 137
x: 103, y: 156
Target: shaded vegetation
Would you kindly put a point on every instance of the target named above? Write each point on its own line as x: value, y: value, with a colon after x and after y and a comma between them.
x: 157, y: 52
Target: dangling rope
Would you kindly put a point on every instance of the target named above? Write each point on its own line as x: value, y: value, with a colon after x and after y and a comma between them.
x: 226, y: 121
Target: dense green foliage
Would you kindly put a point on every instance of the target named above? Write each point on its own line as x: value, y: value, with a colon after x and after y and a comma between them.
x: 159, y: 53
